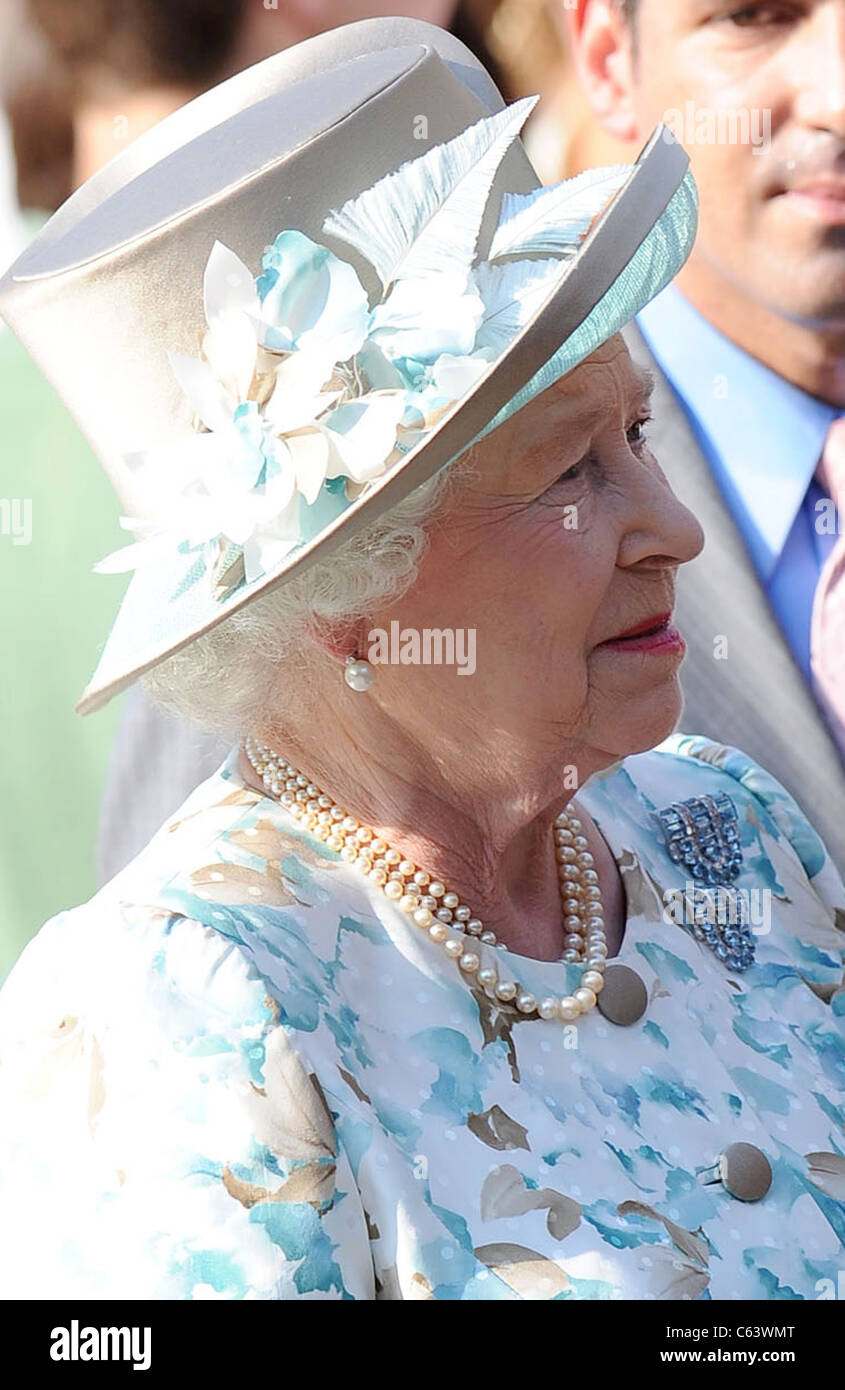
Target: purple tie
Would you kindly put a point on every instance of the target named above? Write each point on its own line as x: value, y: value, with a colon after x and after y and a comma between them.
x: 827, y: 634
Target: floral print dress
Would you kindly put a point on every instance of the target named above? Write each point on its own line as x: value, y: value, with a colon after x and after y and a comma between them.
x: 241, y: 1072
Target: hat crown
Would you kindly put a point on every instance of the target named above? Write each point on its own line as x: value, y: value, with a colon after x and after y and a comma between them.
x: 281, y: 71
x: 101, y: 298
x: 249, y: 145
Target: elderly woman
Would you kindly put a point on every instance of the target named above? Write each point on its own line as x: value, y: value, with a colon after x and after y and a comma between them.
x: 444, y: 986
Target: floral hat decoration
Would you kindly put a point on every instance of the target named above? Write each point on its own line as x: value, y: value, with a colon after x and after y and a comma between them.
x: 304, y: 388
x: 323, y: 373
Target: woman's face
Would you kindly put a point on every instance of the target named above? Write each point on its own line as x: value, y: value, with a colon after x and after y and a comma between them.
x: 564, y: 535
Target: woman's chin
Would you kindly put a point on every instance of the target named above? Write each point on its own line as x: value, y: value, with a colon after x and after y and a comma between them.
x: 643, y: 723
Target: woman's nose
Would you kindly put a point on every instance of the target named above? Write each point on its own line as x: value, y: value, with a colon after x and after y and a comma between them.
x: 661, y: 528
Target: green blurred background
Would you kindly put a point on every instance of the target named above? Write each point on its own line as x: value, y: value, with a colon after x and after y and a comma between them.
x: 54, y: 616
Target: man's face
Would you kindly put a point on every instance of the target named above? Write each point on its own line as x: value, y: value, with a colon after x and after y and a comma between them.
x: 758, y: 96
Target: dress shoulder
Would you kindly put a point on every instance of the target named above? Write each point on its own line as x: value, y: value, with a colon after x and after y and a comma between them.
x: 164, y: 1133
x: 782, y: 817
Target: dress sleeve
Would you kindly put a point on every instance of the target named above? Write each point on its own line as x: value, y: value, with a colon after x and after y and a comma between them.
x: 163, y: 1134
x: 780, y: 817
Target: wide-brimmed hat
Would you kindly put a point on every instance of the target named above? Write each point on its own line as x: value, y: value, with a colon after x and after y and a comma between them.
x: 300, y: 296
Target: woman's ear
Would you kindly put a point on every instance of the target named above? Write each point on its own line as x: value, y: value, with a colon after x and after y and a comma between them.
x: 602, y: 50
x: 341, y: 639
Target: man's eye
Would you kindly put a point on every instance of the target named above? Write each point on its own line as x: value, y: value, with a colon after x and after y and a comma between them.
x: 751, y: 16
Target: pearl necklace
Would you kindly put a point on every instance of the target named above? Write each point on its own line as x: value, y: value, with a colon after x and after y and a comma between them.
x: 434, y: 909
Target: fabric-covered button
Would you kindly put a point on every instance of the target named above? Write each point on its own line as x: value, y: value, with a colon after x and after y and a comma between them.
x: 745, y: 1172
x: 624, y: 998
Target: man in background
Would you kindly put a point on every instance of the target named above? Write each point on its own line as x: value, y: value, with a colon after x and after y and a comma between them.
x: 748, y: 345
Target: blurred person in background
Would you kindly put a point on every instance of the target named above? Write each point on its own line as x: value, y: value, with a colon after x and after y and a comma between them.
x: 81, y: 81
x: 529, y: 42
x: 22, y: 60
x: 749, y: 350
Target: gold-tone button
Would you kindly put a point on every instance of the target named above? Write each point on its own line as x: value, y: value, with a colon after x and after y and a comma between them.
x: 624, y: 998
x: 745, y: 1172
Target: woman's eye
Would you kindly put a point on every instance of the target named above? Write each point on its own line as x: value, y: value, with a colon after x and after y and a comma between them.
x: 637, y: 441
x: 638, y: 434
x: 574, y: 472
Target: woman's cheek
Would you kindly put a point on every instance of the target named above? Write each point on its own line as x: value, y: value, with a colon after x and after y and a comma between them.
x: 562, y: 522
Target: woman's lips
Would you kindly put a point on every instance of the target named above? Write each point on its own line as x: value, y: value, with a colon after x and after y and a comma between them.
x: 653, y: 635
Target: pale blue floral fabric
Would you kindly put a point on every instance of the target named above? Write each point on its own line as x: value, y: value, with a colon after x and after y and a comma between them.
x: 240, y: 1072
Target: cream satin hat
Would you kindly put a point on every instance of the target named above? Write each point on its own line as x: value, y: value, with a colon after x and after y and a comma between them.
x: 298, y: 297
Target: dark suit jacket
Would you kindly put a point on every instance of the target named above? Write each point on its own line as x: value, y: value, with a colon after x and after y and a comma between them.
x: 741, y: 683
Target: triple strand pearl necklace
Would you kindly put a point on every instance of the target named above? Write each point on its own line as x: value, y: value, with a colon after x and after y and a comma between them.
x: 439, y: 912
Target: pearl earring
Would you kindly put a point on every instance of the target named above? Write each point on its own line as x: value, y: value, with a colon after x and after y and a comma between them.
x: 359, y: 675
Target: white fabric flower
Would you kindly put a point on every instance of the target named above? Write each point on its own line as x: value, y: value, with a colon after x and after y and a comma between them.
x: 310, y: 299
x: 422, y: 319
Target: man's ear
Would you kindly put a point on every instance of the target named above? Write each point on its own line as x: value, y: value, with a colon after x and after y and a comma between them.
x: 602, y: 44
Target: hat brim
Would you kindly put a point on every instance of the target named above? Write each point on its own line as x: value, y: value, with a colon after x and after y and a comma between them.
x: 634, y: 249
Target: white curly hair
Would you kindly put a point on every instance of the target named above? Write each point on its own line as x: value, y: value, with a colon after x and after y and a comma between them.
x: 257, y: 662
